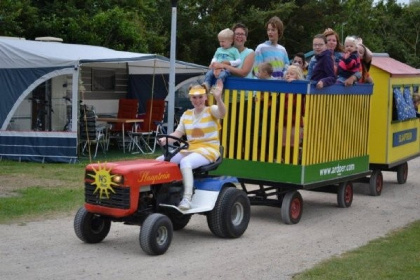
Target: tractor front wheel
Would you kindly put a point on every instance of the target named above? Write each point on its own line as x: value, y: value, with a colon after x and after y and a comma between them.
x: 156, y: 234
x: 89, y: 227
x: 179, y: 221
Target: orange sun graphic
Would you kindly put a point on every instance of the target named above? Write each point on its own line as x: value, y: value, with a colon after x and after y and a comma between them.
x: 103, y: 182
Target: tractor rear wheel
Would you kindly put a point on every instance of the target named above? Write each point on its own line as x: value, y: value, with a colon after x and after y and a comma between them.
x: 230, y: 216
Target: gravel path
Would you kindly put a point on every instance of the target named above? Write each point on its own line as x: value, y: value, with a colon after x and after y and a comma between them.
x: 269, y: 249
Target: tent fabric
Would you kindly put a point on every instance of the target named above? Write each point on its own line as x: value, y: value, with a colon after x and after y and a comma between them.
x: 17, y: 82
x: 25, y: 64
x: 35, y: 54
x: 39, y: 146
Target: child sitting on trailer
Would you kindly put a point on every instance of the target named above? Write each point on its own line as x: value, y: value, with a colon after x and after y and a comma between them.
x: 265, y: 71
x: 350, y: 62
x: 294, y: 73
x: 226, y: 54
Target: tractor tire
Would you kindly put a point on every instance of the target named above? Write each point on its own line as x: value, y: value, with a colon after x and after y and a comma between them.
x: 178, y: 220
x: 89, y: 227
x: 156, y: 234
x: 231, y: 214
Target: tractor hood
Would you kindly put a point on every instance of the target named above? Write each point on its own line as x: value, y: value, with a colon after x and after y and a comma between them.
x: 140, y: 172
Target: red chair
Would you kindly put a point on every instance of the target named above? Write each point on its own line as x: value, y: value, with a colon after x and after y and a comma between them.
x: 145, y: 137
x: 127, y: 109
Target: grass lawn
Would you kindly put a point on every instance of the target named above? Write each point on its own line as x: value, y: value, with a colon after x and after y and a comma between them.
x: 32, y: 191
x: 396, y: 256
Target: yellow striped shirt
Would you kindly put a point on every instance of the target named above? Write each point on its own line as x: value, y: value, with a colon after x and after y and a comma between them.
x: 202, y: 133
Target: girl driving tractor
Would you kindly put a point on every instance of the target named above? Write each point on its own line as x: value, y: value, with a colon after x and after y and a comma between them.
x: 201, y: 127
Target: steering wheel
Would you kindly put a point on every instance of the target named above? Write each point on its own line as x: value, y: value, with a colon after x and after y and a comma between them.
x: 171, y: 149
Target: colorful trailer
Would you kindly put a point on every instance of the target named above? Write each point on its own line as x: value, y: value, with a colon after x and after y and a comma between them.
x: 282, y: 137
x: 393, y: 134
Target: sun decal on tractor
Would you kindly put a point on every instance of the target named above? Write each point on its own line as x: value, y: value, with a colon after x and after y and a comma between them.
x: 103, y: 182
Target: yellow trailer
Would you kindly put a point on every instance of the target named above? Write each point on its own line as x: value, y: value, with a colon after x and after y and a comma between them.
x: 392, y: 141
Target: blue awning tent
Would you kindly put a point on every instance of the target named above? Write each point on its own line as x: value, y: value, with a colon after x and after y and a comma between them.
x: 26, y: 64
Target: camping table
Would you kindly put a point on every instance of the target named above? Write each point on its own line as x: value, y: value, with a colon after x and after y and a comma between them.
x: 120, y: 120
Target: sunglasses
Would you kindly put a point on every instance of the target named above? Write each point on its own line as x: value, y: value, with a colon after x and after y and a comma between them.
x: 197, y: 96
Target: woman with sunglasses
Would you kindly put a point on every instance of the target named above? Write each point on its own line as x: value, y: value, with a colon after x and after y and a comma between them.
x: 201, y: 127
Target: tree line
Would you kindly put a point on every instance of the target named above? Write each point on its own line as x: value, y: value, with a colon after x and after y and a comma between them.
x: 145, y: 25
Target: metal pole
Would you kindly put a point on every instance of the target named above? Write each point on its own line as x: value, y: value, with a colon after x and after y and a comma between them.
x: 75, y: 98
x: 171, y: 99
x: 342, y: 32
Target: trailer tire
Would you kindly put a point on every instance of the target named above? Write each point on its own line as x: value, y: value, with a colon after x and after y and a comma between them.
x: 345, y: 194
x: 156, y: 234
x: 402, y: 173
x: 231, y: 214
x: 292, y: 208
x: 376, y: 183
x: 89, y: 227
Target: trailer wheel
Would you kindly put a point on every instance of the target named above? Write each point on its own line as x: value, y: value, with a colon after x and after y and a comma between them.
x: 230, y: 216
x: 89, y: 227
x: 376, y: 183
x: 179, y: 221
x: 156, y: 234
x: 345, y: 194
x: 402, y: 173
x: 292, y: 208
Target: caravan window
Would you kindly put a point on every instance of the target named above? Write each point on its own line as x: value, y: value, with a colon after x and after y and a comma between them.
x: 103, y: 80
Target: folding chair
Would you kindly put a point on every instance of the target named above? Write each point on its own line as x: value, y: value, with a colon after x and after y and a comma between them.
x: 127, y: 109
x: 90, y: 133
x: 144, y: 139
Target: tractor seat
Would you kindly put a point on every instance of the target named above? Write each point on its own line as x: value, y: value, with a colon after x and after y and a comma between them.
x: 212, y: 166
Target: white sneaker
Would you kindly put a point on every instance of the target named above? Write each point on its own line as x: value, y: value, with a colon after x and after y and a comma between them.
x: 185, y: 204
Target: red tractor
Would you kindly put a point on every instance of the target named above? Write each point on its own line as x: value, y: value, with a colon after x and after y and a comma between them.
x: 146, y: 192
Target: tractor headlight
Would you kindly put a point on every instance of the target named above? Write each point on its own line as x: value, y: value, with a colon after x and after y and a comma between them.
x: 118, y: 179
